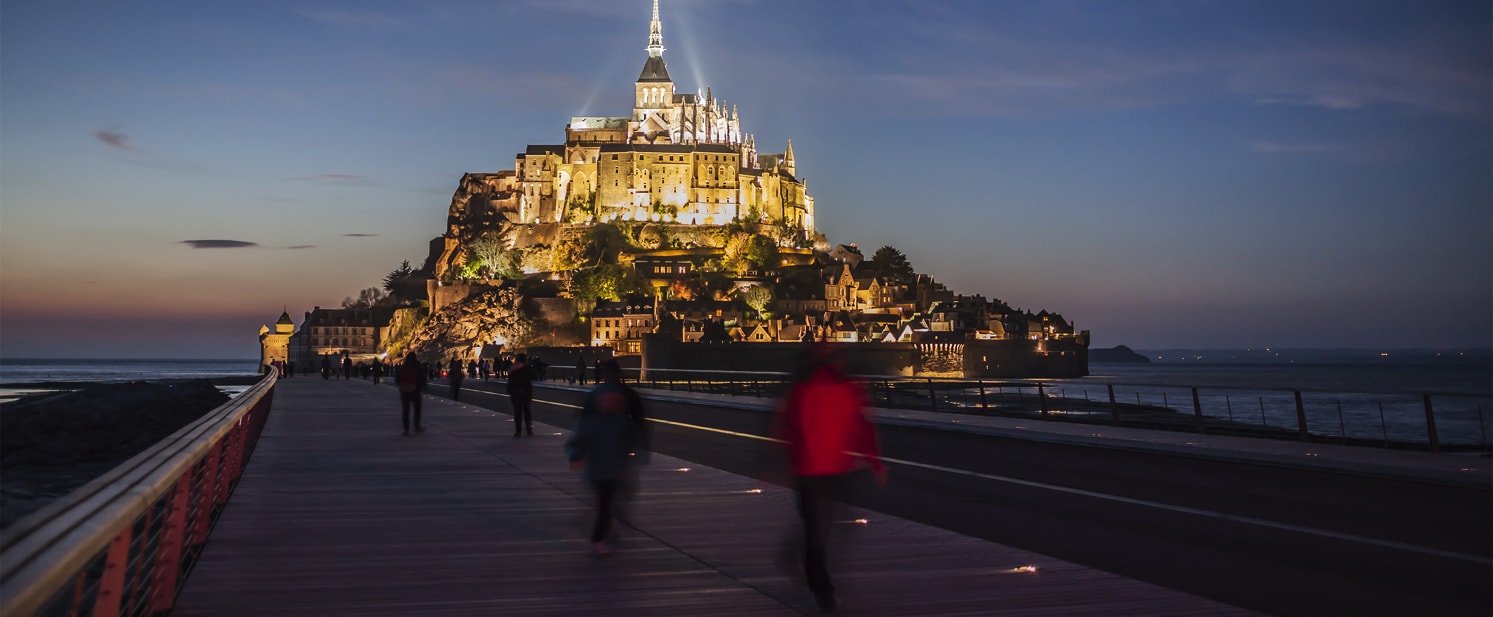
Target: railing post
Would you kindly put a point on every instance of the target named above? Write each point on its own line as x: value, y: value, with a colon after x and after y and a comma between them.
x: 111, y: 583
x: 170, y: 548
x: 983, y: 405
x: 1197, y: 413
x: 932, y: 396
x: 1114, y: 409
x: 1042, y: 398
x: 1301, y: 418
x: 1431, y: 426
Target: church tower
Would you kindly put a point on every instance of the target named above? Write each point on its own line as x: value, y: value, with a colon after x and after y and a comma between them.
x: 653, y: 99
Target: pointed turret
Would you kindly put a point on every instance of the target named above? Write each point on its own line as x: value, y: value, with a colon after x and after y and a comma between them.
x: 788, y: 160
x: 654, y: 68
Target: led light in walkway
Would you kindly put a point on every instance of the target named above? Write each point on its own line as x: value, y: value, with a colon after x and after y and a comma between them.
x: 1026, y: 569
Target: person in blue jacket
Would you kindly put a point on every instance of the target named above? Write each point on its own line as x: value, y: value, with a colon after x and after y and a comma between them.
x: 610, y: 434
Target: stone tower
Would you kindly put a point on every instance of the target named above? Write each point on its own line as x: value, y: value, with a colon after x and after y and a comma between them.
x: 275, y: 344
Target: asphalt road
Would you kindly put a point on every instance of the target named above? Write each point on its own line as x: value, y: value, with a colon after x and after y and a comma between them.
x: 1279, y: 541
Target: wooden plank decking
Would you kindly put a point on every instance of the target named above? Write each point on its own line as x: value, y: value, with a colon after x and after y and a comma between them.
x: 338, y: 514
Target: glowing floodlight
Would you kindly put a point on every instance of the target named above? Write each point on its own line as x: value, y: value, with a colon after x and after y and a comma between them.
x: 1026, y: 569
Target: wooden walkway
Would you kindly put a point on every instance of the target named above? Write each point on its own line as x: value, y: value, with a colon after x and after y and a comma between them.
x: 338, y: 514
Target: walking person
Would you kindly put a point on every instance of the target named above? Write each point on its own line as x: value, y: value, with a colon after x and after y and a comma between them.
x: 580, y: 370
x: 454, y: 378
x: 609, y: 432
x: 378, y: 370
x: 823, y: 420
x: 521, y: 393
x: 326, y: 368
x: 410, y: 379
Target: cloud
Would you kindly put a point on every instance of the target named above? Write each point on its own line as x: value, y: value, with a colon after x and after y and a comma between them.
x: 349, y: 19
x: 359, y: 235
x: 218, y: 244
x: 337, y: 179
x: 113, y: 139
x: 301, y: 246
x: 1274, y: 146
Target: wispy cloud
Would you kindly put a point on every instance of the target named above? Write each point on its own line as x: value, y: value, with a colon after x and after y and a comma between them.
x: 349, y: 19
x: 1275, y: 146
x: 337, y: 179
x: 301, y: 246
x: 359, y: 235
x: 218, y: 244
x: 113, y: 139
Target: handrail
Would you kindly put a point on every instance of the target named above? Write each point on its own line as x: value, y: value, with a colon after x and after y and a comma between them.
x: 122, y: 543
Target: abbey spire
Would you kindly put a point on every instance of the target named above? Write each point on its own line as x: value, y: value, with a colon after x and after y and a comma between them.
x: 655, y: 35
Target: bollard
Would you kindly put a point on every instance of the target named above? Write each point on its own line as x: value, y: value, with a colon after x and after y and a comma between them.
x: 1042, y: 398
x: 983, y: 405
x: 1114, y: 410
x: 1197, y: 412
x: 1301, y: 418
x: 1229, y: 407
x: 1431, y: 426
x: 932, y: 397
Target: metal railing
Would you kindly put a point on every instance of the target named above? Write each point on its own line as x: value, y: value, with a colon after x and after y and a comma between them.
x: 1425, y: 421
x: 124, y: 543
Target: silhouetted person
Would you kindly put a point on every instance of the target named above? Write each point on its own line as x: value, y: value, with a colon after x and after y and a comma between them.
x: 378, y: 370
x: 823, y: 419
x: 326, y: 368
x: 454, y: 377
x: 347, y: 366
x: 521, y: 393
x: 410, y: 379
x: 608, y: 432
x: 580, y: 370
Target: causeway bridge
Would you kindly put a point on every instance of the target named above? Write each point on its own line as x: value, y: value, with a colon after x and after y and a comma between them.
x: 301, y: 497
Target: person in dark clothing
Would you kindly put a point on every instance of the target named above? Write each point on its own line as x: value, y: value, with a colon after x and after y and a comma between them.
x: 580, y: 370
x: 347, y: 366
x: 326, y: 368
x: 823, y: 420
x: 521, y: 393
x: 377, y: 370
x: 454, y: 377
x: 410, y: 379
x: 609, y: 435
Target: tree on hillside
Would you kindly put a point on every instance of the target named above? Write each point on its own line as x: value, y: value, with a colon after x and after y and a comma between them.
x: 608, y: 282
x: 491, y: 255
x: 759, y: 297
x: 366, y: 299
x: 892, y: 264
x: 404, y: 284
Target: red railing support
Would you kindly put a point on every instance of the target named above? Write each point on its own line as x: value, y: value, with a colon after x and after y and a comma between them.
x: 171, y: 548
x: 111, y: 583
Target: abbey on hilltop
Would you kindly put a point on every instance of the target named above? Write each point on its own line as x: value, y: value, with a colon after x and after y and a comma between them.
x: 679, y: 158
x: 665, y: 238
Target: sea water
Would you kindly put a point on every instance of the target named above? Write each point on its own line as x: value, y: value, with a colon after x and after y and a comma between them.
x: 20, y: 376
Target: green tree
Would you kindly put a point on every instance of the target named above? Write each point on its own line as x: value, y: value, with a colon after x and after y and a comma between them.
x: 608, y: 282
x: 405, y: 284
x: 762, y: 252
x: 366, y: 299
x: 892, y: 264
x: 759, y: 297
x: 490, y: 254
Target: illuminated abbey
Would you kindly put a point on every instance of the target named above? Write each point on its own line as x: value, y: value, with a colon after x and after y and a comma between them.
x: 679, y: 158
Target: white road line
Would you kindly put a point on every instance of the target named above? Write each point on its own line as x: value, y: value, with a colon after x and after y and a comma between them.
x: 1128, y: 500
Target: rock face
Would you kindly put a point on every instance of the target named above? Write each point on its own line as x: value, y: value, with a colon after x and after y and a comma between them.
x: 51, y: 444
x: 493, y: 313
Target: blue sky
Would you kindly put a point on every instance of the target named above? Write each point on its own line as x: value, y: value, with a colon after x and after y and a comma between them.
x: 1165, y: 174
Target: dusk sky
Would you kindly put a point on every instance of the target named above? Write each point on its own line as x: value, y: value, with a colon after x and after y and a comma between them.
x: 1178, y: 173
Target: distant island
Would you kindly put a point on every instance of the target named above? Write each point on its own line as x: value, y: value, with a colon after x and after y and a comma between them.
x: 1116, y: 355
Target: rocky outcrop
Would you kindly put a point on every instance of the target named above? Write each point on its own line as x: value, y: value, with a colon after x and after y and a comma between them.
x: 51, y: 444
x: 493, y: 313
x: 1119, y: 354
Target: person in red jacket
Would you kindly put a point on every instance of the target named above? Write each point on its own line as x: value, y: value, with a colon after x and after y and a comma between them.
x: 823, y: 420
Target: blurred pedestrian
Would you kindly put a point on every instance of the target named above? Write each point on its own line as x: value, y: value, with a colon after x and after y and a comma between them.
x: 580, y: 370
x: 454, y: 377
x: 521, y: 393
x: 823, y: 420
x: 609, y: 435
x: 410, y: 379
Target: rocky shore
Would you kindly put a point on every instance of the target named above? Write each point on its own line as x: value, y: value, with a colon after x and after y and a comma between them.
x: 53, y: 443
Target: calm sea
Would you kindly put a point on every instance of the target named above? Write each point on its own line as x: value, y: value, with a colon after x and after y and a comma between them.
x: 19, y: 376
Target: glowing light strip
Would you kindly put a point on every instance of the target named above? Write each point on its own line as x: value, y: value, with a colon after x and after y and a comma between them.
x: 1246, y: 520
